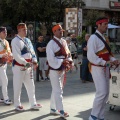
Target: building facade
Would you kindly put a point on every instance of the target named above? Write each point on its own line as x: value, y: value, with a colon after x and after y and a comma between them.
x: 76, y: 19
x: 111, y: 9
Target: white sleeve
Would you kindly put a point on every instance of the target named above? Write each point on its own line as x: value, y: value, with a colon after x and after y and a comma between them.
x: 17, y: 52
x: 92, y: 50
x: 53, y: 61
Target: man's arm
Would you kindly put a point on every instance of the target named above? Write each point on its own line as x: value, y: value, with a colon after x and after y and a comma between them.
x: 52, y: 60
x: 41, y: 49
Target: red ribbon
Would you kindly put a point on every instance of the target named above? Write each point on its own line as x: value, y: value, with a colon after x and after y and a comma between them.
x: 101, y: 21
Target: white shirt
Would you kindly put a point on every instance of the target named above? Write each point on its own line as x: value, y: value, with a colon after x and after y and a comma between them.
x: 93, y: 46
x: 17, y: 45
x: 52, y: 47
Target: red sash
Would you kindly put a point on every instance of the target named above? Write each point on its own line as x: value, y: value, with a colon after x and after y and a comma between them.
x: 16, y: 63
x: 105, y: 56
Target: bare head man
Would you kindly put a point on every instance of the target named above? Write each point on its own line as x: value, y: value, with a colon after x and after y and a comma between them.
x: 22, y: 29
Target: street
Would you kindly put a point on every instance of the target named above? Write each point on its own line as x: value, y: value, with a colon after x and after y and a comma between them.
x: 77, y: 98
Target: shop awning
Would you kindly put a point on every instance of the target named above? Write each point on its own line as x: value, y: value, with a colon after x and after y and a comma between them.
x: 110, y: 26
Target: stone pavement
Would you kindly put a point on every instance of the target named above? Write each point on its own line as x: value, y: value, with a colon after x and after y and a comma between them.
x: 78, y: 99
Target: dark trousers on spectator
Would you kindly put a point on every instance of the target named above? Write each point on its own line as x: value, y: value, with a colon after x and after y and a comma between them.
x: 86, y: 75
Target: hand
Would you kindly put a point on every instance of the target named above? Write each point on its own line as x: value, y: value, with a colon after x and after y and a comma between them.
x: 116, y: 62
x: 108, y: 63
x: 67, y: 64
x: 35, y: 65
x: 85, y: 48
x: 10, y: 59
x: 65, y: 61
x: 44, y: 48
x: 5, y: 57
x: 28, y: 65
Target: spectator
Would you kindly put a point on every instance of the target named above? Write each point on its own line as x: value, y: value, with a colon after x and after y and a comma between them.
x: 86, y: 75
x: 73, y: 51
x: 41, y: 52
x: 74, y: 39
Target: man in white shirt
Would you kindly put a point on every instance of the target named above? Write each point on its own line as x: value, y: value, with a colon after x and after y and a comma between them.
x: 59, y: 60
x: 23, y: 63
x: 5, y: 57
x: 100, y: 57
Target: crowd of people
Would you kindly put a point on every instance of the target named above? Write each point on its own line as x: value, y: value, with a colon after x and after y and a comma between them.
x: 56, y: 58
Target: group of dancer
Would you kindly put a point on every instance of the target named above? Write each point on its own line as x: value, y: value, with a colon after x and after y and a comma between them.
x: 23, y: 60
x: 59, y: 59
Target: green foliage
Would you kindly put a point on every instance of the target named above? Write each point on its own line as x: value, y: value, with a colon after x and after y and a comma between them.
x: 91, y: 15
x: 82, y: 37
x: 47, y: 11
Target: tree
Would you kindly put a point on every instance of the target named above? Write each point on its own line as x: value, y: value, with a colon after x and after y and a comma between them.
x: 45, y: 11
x: 82, y: 37
x: 91, y: 15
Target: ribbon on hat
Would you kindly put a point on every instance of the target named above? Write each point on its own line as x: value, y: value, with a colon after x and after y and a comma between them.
x: 56, y: 27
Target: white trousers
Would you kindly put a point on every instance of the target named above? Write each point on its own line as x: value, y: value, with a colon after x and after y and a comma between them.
x: 101, y: 77
x: 4, y: 81
x: 20, y: 77
x: 56, y: 79
x: 43, y: 63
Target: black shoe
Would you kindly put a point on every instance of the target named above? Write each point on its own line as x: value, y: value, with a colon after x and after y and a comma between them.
x: 47, y: 79
x: 42, y: 79
x: 1, y: 100
x: 90, y: 80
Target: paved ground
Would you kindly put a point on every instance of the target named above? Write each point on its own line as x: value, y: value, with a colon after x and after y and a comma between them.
x: 78, y: 98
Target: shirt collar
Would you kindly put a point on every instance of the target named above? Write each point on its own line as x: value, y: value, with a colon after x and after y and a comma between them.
x: 20, y: 37
x: 99, y: 33
x: 57, y: 38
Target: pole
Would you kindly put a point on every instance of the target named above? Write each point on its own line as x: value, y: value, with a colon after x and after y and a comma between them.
x: 35, y: 42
